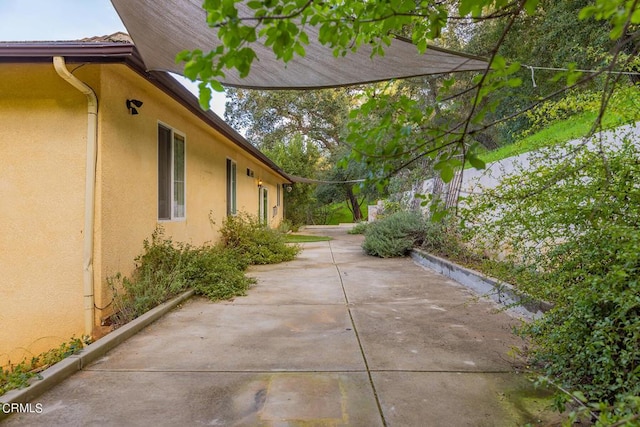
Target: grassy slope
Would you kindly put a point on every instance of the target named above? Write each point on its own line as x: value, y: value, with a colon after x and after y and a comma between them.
x: 564, y: 130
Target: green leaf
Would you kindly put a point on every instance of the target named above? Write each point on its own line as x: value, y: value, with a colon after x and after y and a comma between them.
x: 586, y: 12
x: 515, y: 82
x: 184, y: 56
x: 447, y: 173
x: 299, y: 49
x: 498, y: 63
x: 476, y: 162
x: 303, y: 37
x: 192, y: 69
x: 205, y: 96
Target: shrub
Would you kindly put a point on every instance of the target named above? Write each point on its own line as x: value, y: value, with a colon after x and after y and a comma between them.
x: 574, y: 221
x: 159, y: 275
x: 166, y: 269
x: 359, y: 228
x: 394, y: 235
x: 247, y: 237
x: 217, y: 274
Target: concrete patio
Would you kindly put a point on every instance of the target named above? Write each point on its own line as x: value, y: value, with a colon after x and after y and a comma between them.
x: 334, y: 338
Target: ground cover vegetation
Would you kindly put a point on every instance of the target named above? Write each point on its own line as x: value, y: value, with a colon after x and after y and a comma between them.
x: 401, y: 131
x: 569, y: 233
x: 165, y: 269
x: 15, y: 376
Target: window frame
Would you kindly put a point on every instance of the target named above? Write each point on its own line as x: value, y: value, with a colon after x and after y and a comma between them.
x: 231, y: 186
x: 170, y: 181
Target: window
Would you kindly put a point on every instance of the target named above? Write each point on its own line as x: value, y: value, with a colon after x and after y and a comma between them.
x: 171, y: 174
x: 278, y: 194
x: 231, y: 187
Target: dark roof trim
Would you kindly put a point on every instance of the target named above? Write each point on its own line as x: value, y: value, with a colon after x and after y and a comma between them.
x: 126, y: 53
x: 178, y: 92
x: 66, y: 49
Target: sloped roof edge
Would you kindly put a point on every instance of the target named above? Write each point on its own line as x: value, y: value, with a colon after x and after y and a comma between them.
x: 126, y: 53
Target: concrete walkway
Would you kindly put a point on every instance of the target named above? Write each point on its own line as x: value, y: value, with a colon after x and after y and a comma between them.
x: 334, y: 338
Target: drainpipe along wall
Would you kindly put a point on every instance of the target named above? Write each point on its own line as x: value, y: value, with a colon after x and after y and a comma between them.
x: 90, y: 184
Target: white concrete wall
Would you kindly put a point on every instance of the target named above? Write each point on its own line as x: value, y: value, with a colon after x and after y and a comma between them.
x: 474, y: 181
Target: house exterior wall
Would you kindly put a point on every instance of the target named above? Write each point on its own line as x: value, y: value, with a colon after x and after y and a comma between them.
x: 42, y: 193
x: 43, y: 128
x: 128, y: 153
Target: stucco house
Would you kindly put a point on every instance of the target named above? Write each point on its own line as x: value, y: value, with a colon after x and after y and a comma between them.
x: 95, y: 153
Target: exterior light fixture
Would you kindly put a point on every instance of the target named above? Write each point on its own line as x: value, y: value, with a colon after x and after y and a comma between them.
x: 133, y: 105
x: 259, y: 183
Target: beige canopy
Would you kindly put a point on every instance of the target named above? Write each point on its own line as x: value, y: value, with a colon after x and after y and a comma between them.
x: 162, y: 29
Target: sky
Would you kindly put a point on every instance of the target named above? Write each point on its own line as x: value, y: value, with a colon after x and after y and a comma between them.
x: 47, y: 20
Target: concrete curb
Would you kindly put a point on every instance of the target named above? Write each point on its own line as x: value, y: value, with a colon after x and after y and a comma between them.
x: 63, y: 369
x: 501, y: 292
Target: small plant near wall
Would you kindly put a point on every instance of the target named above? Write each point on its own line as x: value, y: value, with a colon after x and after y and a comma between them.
x: 359, y: 228
x: 18, y: 375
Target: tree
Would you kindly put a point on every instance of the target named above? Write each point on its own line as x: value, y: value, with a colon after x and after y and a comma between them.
x: 270, y: 117
x: 300, y: 158
x: 284, y: 119
x: 345, y: 26
x: 554, y: 37
x: 344, y: 173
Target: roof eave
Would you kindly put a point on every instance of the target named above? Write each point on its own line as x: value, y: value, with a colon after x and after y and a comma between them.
x: 66, y: 49
x: 126, y: 53
x: 189, y: 101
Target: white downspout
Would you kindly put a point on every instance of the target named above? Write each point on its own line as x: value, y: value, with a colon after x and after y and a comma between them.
x: 90, y: 185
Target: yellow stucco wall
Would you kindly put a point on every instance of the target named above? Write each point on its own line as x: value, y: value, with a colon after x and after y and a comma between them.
x: 42, y: 157
x: 128, y: 155
x: 42, y: 144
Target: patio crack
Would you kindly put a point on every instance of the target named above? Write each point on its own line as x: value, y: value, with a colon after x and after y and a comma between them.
x: 355, y: 330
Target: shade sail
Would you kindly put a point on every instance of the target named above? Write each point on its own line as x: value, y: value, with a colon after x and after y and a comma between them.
x: 162, y: 29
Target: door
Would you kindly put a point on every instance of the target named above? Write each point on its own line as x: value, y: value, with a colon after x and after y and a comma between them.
x: 263, y: 208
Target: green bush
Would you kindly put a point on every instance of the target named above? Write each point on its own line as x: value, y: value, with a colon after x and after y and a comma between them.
x: 359, y: 228
x: 574, y: 221
x: 165, y: 269
x: 159, y: 275
x: 217, y: 273
x: 394, y: 235
x: 248, y: 238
